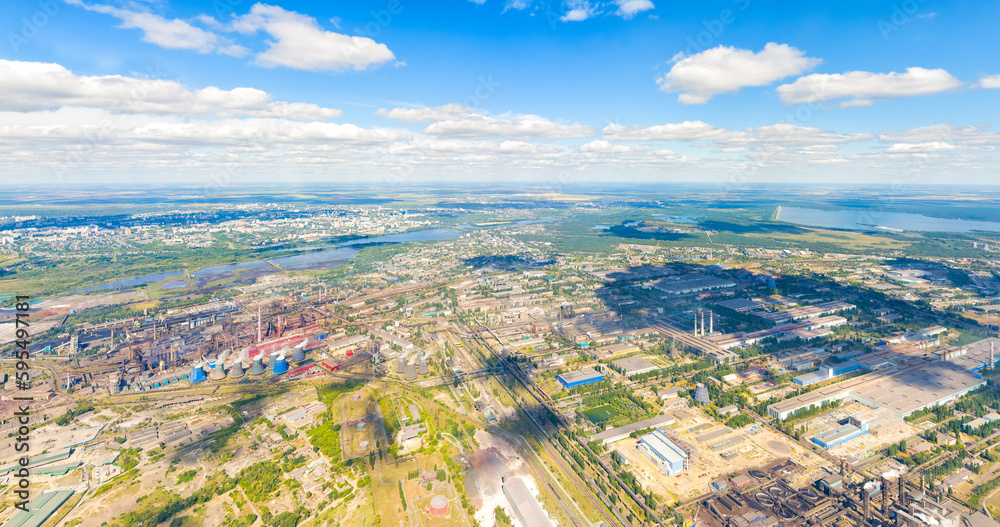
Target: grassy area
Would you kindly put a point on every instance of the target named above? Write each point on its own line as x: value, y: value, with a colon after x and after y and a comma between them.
x: 600, y: 414
x: 574, y: 492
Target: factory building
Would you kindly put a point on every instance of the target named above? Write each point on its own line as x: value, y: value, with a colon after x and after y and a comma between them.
x: 901, y: 389
x: 617, y: 434
x: 825, y: 373
x: 925, y: 511
x: 347, y: 342
x: 693, y: 284
x: 580, y: 377
x: 634, y: 365
x: 837, y: 436
x: 664, y: 452
x: 525, y: 506
x: 806, y: 330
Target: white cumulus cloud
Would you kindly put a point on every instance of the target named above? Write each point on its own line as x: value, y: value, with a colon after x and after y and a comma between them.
x: 455, y: 120
x: 579, y: 10
x: 988, y: 82
x: 170, y: 34
x: 725, y: 69
x: 629, y: 8
x: 861, y: 87
x: 776, y: 135
x: 425, y: 115
x: 41, y: 86
x: 297, y: 41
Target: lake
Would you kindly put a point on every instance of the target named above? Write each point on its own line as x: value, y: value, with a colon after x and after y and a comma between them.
x: 337, y: 254
x: 869, y: 219
x: 129, y: 282
x: 680, y: 219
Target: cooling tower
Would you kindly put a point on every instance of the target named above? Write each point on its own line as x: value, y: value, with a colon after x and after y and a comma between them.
x: 279, y: 365
x: 422, y: 368
x: 197, y: 373
x: 411, y: 372
x: 299, y: 353
x: 237, y: 371
x: 219, y: 372
x: 401, y: 365
x: 258, y: 365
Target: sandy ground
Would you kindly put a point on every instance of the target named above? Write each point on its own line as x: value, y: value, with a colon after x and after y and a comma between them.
x: 496, y: 459
x: 49, y: 313
x: 883, y: 434
x: 760, y: 447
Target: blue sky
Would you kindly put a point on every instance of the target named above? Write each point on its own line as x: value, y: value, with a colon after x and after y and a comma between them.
x: 239, y: 91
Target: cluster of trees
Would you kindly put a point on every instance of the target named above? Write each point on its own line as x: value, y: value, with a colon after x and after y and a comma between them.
x: 285, y: 519
x: 895, y: 449
x: 186, y: 476
x: 626, y: 404
x: 629, y: 480
x: 940, y: 413
x: 814, y: 410
x: 128, y: 459
x: 243, y: 521
x: 68, y: 417
x: 260, y: 480
x: 982, y: 490
x: 642, y: 432
x: 502, y: 519
x: 739, y: 421
x: 326, y: 439
x: 949, y: 466
x: 152, y: 516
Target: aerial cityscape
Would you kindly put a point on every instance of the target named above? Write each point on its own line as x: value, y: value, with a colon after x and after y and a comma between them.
x: 490, y: 265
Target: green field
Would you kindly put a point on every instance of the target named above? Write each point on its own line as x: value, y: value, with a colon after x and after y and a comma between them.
x: 600, y: 414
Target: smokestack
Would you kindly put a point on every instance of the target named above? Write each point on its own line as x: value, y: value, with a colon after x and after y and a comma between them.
x: 696, y: 324
x: 702, y: 312
x: 866, y: 501
x: 902, y: 492
x: 260, y: 333
x: 921, y: 482
x: 711, y: 324
x: 843, y: 467
x: 885, y: 497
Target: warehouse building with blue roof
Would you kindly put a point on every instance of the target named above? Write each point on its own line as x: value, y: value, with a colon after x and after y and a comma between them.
x: 580, y: 377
